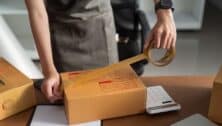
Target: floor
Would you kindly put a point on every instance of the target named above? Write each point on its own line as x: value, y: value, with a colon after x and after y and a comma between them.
x: 198, y: 52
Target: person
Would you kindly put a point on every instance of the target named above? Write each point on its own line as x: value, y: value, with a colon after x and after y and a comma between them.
x: 80, y: 34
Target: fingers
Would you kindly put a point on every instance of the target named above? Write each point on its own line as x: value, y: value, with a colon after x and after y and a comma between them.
x: 157, y: 38
x: 164, y: 40
x: 174, y: 42
x: 170, y: 42
x: 56, y: 91
x: 51, y: 91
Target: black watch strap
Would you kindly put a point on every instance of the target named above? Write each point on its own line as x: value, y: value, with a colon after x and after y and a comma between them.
x: 164, y: 4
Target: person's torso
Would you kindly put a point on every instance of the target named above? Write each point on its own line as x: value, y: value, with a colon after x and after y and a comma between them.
x: 76, y: 9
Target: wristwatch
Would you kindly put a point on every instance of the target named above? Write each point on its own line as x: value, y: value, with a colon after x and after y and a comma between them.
x: 164, y: 4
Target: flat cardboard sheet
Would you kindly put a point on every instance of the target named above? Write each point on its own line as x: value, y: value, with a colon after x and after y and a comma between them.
x: 51, y: 115
x: 195, y: 120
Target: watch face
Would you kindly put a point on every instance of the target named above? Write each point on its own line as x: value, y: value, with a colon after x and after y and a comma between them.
x: 166, y: 3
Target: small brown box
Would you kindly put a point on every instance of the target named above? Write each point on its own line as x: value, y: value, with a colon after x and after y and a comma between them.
x: 119, y: 93
x: 16, y: 91
x: 215, y: 110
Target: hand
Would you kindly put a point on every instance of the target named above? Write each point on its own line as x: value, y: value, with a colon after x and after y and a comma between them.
x: 51, y: 88
x: 164, y: 32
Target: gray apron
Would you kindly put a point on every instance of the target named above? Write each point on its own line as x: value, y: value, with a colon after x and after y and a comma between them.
x: 82, y: 34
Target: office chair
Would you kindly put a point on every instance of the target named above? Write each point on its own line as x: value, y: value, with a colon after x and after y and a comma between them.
x: 132, y: 28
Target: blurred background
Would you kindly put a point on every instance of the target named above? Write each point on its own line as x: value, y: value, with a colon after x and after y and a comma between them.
x: 199, y: 41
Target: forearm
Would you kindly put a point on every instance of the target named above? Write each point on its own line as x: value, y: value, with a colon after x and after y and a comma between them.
x: 40, y: 29
x: 163, y: 13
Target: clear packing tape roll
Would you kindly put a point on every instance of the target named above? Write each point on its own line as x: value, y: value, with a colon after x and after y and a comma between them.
x: 146, y: 55
x: 165, y: 60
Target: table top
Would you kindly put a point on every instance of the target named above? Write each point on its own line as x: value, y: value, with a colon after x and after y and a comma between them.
x: 192, y: 92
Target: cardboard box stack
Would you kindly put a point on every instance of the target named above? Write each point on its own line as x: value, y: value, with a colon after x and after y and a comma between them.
x: 118, y: 93
x: 16, y: 91
x: 215, y: 110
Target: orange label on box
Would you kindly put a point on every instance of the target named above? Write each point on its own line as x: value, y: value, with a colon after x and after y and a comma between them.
x: 117, y: 81
x: 117, y: 86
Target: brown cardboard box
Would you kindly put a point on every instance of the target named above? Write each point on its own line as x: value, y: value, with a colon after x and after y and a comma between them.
x: 118, y: 93
x: 215, y: 110
x: 16, y: 91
